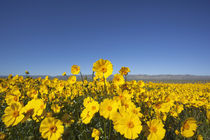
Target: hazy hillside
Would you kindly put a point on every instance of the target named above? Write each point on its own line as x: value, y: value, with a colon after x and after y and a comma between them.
x: 153, y: 78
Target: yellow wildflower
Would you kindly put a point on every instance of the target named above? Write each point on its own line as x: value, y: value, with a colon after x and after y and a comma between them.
x: 75, y: 69
x: 128, y: 125
x: 156, y: 129
x: 31, y: 109
x: 72, y: 79
x: 87, y: 101
x: 189, y: 127
x: 176, y: 132
x: 95, y: 134
x: 64, y: 74
x: 32, y: 93
x: 118, y: 79
x: 26, y: 72
x: 93, y: 107
x: 199, y: 137
x: 2, y: 136
x: 51, y: 128
x: 12, y: 115
x: 56, y: 108
x: 12, y: 96
x: 103, y: 68
x: 86, y: 116
x: 124, y: 70
x: 107, y: 107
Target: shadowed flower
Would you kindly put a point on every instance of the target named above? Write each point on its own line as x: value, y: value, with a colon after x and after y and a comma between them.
x: 189, y: 127
x: 26, y: 72
x: 95, y: 134
x: 86, y: 116
x: 124, y: 70
x: 64, y: 74
x: 12, y: 115
x: 2, y: 136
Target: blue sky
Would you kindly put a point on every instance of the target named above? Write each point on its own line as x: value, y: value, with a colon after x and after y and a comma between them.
x: 149, y: 37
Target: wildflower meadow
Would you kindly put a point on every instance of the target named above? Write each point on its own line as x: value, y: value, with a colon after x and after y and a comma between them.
x: 103, y: 109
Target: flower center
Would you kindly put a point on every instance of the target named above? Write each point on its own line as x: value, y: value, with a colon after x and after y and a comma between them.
x: 53, y: 129
x: 42, y: 107
x: 103, y: 69
x: 15, y: 113
x: 186, y: 126
x: 126, y: 106
x: 153, y: 129
x: 15, y: 98
x: 93, y: 107
x: 130, y: 125
x: 118, y: 79
x: 135, y: 111
x: 109, y: 108
x: 158, y: 106
x: 30, y: 112
x: 168, y: 99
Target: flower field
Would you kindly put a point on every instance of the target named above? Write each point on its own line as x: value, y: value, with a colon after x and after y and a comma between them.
x: 101, y: 109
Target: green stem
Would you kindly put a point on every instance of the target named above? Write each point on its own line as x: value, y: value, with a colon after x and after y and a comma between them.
x: 84, y: 127
x: 86, y: 135
x: 105, y: 91
x: 110, y: 126
x: 125, y: 78
x: 81, y: 77
x: 105, y: 128
x: 34, y: 127
x: 92, y: 75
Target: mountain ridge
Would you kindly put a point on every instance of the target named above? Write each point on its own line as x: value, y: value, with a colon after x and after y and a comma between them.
x: 144, y: 77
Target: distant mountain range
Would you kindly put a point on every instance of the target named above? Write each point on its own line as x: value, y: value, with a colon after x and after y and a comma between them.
x: 154, y: 78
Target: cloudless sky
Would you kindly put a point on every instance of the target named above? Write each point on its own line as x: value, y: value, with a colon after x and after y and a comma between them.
x: 47, y: 37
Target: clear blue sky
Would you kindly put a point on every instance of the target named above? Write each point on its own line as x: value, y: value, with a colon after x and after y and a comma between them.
x: 149, y: 37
